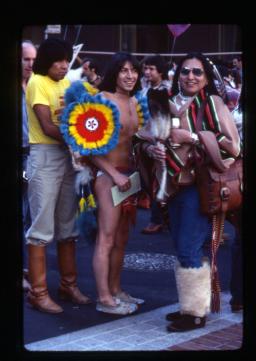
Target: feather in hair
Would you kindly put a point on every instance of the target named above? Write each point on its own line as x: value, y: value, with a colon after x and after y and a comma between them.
x: 220, y: 86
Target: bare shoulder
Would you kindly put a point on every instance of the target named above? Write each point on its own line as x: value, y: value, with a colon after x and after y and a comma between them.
x: 106, y: 94
x: 221, y: 108
x: 134, y: 101
x: 217, y: 100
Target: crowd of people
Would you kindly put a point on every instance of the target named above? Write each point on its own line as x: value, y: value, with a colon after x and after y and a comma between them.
x: 50, y: 202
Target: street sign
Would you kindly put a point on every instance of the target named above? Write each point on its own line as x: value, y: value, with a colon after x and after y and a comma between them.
x: 53, y: 29
x: 76, y: 50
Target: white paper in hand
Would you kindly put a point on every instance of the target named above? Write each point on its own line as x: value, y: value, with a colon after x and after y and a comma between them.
x: 118, y: 196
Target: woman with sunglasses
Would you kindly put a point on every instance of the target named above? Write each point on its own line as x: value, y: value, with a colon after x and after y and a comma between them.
x: 193, y: 84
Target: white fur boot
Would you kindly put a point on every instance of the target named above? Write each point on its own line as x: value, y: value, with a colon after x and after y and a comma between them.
x: 194, y: 289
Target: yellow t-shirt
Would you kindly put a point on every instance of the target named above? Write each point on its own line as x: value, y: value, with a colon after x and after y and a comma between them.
x: 41, y: 89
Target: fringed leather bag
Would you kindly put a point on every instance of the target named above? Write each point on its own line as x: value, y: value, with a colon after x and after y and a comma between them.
x: 220, y: 187
x: 220, y: 191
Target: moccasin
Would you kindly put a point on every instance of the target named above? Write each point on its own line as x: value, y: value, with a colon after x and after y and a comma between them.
x: 121, y: 308
x: 125, y: 297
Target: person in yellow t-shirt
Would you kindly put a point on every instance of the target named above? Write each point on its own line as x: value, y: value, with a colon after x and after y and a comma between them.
x: 51, y: 190
x: 46, y: 92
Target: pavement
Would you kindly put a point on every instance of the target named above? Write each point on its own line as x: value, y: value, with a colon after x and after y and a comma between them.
x: 147, y: 332
x: 148, y: 273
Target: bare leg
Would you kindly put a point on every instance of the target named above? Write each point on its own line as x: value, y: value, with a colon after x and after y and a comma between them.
x: 108, y: 219
x: 117, y: 255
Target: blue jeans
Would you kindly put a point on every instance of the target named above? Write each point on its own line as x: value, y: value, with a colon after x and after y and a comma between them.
x: 188, y: 226
x: 236, y: 283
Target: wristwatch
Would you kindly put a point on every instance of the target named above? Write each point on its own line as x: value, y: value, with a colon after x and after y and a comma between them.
x: 194, y: 137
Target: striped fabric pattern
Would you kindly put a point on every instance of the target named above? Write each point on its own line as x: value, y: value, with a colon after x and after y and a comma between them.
x: 210, y: 122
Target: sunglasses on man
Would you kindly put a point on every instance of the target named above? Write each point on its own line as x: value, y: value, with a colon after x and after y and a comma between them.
x: 195, y: 71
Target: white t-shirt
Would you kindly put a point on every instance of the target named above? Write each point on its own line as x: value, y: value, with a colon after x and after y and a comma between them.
x: 75, y: 74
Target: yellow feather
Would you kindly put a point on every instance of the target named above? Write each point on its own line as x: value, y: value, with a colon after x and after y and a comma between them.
x: 91, y: 201
x: 82, y: 204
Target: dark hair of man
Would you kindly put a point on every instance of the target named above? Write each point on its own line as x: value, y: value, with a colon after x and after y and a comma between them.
x: 114, y: 66
x: 160, y: 64
x: 158, y: 102
x: 210, y: 88
x: 50, y: 51
x: 93, y: 64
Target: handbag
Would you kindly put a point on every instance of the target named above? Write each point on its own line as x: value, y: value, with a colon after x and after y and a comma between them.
x: 220, y: 187
x: 220, y: 191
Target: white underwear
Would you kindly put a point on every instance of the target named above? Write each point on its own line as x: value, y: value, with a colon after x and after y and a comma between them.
x: 99, y: 173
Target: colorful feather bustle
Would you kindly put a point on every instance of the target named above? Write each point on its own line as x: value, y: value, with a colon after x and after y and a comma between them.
x: 90, y: 89
x: 89, y: 124
x: 142, y: 109
x: 77, y: 90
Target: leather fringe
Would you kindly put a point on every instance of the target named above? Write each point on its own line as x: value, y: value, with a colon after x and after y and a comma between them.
x: 217, y: 231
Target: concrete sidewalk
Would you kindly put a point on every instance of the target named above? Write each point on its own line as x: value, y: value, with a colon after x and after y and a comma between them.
x: 147, y: 332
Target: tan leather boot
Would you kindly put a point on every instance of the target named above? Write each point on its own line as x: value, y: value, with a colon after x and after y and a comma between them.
x: 38, y: 295
x: 67, y: 265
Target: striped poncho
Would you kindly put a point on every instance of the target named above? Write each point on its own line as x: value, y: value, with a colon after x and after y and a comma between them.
x: 180, y: 166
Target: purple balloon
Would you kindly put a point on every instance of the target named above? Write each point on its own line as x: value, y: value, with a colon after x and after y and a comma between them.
x: 178, y: 29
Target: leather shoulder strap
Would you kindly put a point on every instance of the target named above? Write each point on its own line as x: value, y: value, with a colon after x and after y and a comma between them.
x: 211, y: 148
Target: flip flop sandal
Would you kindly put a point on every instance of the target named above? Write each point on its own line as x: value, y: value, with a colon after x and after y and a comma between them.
x: 122, y: 308
x: 125, y: 297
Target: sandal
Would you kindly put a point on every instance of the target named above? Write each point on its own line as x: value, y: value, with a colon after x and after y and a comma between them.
x: 121, y: 308
x: 125, y: 297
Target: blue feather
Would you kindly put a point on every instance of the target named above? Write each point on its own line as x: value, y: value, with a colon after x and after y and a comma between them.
x: 87, y: 225
x: 74, y: 92
x: 143, y: 104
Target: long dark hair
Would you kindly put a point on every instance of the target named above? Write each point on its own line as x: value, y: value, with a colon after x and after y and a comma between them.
x: 49, y: 51
x: 115, y: 65
x: 210, y: 88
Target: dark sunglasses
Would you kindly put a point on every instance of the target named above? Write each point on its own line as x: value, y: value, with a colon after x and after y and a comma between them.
x: 195, y: 71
